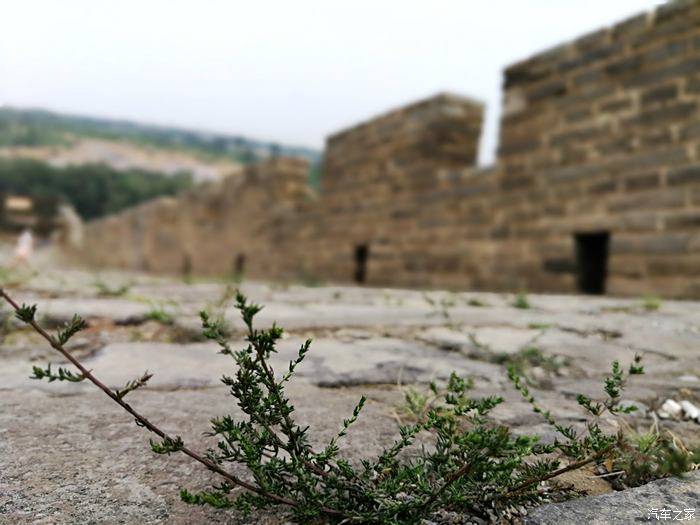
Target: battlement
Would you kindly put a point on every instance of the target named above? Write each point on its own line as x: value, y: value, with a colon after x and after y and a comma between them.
x: 613, y: 93
x: 438, y: 132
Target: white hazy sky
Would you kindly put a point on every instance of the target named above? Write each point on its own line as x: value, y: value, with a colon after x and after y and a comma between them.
x: 291, y: 71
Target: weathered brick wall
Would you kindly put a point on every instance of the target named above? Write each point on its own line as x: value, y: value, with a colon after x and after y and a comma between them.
x: 207, y: 228
x: 373, y: 174
x: 599, y: 137
x: 602, y: 134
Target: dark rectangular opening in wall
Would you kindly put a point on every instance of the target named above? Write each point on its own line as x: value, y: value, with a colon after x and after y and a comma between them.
x: 239, y: 265
x: 361, y: 256
x: 186, y: 265
x: 592, y: 261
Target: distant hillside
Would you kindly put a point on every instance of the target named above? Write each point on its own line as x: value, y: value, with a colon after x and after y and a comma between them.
x: 93, y: 189
x: 34, y: 128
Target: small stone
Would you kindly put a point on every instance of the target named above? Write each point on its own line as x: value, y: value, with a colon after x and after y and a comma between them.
x: 538, y: 373
x: 670, y: 410
x: 690, y: 410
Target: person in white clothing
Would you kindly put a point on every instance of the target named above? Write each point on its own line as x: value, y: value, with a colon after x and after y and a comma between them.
x: 25, y: 247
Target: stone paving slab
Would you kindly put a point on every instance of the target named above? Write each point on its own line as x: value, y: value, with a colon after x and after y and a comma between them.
x: 76, y: 459
x: 666, y: 500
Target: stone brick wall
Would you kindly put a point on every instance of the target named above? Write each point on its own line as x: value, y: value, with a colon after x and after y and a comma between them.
x: 599, y: 150
x: 206, y: 229
x: 373, y: 175
x: 603, y: 134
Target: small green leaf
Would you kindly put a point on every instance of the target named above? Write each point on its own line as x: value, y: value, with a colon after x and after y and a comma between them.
x: 63, y: 374
x: 167, y: 445
x: 75, y: 325
x: 26, y: 313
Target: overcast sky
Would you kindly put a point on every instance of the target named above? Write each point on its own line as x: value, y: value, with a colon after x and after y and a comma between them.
x: 291, y: 71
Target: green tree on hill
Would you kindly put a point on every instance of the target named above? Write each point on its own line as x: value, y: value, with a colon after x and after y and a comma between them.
x: 94, y: 190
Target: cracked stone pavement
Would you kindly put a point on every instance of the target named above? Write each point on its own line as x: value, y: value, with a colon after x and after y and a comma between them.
x: 69, y: 455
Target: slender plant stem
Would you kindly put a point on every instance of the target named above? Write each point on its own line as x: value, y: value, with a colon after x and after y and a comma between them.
x: 144, y: 422
x: 295, y: 450
x: 449, y: 480
x: 571, y: 466
x: 274, y: 388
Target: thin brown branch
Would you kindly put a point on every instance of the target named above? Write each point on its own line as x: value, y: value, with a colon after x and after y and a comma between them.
x: 295, y: 450
x: 274, y: 388
x: 144, y: 422
x: 571, y: 466
x: 449, y: 480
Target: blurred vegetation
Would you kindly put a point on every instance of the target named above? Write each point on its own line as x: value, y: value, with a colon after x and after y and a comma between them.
x: 315, y: 174
x: 652, y: 303
x: 44, y: 128
x: 521, y: 302
x: 93, y: 189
